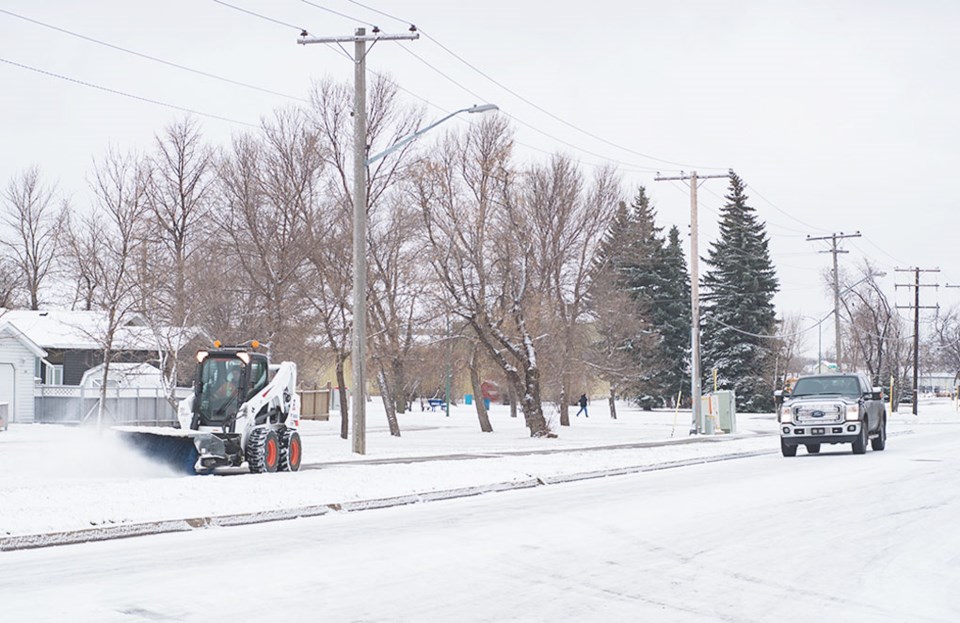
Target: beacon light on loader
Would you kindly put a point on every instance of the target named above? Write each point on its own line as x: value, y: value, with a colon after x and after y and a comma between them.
x: 243, y: 410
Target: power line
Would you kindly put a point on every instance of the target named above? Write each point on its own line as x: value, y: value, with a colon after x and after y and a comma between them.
x: 526, y: 100
x: 124, y: 94
x: 260, y: 15
x: 339, y: 14
x: 149, y: 57
x: 517, y: 120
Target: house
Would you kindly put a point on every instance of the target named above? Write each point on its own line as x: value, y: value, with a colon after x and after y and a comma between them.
x: 18, y: 357
x: 73, y: 341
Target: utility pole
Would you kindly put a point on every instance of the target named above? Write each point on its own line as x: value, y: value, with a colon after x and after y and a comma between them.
x: 358, y: 353
x: 698, y: 424
x: 916, y: 285
x: 836, y: 283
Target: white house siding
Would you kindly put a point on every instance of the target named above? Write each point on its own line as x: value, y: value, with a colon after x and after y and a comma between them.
x: 17, y: 365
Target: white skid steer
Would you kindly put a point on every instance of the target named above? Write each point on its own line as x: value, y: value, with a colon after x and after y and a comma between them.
x: 243, y: 410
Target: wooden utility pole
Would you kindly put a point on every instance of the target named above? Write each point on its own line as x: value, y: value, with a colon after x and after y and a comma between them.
x: 836, y: 283
x: 698, y: 424
x: 916, y: 285
x: 358, y: 354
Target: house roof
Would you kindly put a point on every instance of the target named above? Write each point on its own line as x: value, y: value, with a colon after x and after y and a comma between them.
x: 11, y: 329
x: 76, y: 329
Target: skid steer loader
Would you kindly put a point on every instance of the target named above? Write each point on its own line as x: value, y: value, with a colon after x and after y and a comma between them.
x: 243, y: 410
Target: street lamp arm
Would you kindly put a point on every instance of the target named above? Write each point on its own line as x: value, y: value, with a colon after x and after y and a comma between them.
x: 421, y: 132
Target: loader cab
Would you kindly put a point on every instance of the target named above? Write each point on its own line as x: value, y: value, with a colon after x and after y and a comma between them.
x: 226, y: 379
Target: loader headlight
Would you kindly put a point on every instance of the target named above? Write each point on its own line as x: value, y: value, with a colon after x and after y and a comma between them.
x: 244, y: 357
x: 201, y: 355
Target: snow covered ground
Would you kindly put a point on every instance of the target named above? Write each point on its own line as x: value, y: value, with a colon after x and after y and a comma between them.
x: 833, y: 537
x: 55, y: 479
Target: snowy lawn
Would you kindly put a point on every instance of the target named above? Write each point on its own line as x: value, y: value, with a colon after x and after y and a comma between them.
x: 55, y: 478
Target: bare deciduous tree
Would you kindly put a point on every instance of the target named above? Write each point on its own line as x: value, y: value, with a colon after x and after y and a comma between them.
x: 113, y: 232
x: 482, y: 253
x: 31, y: 213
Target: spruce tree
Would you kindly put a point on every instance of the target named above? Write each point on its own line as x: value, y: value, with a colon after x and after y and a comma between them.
x: 737, y: 309
x: 673, y: 311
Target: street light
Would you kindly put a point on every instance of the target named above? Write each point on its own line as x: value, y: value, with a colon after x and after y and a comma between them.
x: 418, y: 133
x: 836, y: 320
x: 361, y: 163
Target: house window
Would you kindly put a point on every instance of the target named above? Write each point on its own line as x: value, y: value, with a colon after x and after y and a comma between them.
x: 54, y: 375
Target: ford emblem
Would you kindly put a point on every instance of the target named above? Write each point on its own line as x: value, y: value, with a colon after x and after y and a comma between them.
x: 817, y: 413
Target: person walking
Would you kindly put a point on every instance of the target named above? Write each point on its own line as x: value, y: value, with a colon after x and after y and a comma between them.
x: 583, y: 406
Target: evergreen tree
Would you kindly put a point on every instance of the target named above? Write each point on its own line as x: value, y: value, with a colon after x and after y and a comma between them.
x: 737, y: 309
x: 673, y: 312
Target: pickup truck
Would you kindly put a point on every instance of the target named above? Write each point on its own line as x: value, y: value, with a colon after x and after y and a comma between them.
x: 832, y: 408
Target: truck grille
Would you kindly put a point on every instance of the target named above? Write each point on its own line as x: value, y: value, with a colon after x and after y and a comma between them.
x: 818, y: 413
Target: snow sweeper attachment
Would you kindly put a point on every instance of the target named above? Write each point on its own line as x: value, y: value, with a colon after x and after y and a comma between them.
x: 243, y: 410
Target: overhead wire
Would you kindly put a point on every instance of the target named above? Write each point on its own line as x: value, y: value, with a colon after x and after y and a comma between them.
x: 125, y: 94
x: 527, y: 101
x: 149, y: 57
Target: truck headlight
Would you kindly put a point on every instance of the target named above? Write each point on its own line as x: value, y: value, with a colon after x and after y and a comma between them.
x: 785, y: 415
x: 853, y: 412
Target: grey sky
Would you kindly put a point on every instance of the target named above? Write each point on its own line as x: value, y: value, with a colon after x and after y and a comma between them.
x: 842, y: 114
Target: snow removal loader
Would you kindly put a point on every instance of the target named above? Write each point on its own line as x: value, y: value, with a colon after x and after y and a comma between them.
x: 243, y: 410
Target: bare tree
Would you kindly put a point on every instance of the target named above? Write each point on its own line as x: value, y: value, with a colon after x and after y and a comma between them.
x: 877, y: 338
x: 31, y: 213
x: 482, y: 253
x: 566, y: 219
x: 269, y: 186
x: 326, y: 289
x: 175, y: 255
x: 392, y: 291
x: 618, y: 320
x: 9, y: 283
x: 787, y: 347
x: 946, y: 341
x: 114, y: 231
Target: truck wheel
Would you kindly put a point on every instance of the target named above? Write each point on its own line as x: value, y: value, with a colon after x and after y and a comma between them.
x: 860, y: 445
x: 787, y: 449
x: 880, y: 441
x: 290, y: 451
x: 813, y: 448
x: 263, y: 451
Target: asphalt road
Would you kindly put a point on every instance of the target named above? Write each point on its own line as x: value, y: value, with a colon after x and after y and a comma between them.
x: 834, y: 537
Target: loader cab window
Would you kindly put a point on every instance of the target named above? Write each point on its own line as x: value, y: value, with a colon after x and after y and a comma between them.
x: 219, y: 389
x: 258, y: 376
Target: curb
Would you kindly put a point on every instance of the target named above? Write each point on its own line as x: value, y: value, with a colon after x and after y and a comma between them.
x: 106, y: 533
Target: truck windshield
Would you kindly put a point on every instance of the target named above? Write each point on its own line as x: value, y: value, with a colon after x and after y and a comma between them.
x: 827, y: 386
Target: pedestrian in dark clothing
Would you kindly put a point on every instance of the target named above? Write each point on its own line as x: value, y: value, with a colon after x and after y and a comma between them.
x: 583, y: 406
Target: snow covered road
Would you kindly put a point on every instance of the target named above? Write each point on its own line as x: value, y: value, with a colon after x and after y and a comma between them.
x: 834, y: 537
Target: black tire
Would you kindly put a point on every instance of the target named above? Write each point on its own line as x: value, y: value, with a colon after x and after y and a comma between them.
x: 787, y: 449
x: 879, y: 442
x: 860, y: 445
x: 263, y: 451
x: 291, y: 451
x: 813, y: 448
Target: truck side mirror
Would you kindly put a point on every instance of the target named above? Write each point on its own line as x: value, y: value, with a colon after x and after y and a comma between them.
x: 877, y: 393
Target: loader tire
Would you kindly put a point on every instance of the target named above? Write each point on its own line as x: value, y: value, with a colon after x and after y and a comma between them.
x: 290, y: 451
x: 263, y: 451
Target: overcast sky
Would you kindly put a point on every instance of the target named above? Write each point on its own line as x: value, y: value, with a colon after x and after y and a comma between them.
x: 840, y: 116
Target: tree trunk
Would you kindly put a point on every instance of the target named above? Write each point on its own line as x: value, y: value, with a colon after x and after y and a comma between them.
x: 565, y: 400
x: 388, y: 402
x: 399, y: 383
x: 531, y: 403
x: 342, y: 391
x: 478, y: 391
x: 512, y: 397
x: 613, y: 402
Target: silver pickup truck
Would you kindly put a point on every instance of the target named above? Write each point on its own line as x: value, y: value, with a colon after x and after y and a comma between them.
x: 832, y: 408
